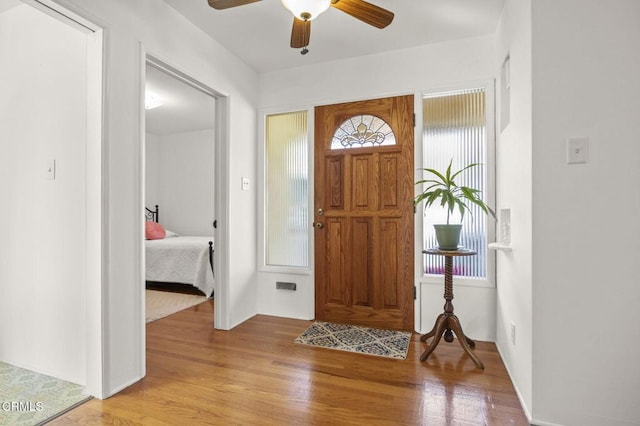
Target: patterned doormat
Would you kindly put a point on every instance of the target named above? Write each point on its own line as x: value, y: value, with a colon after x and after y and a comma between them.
x: 28, y: 398
x: 353, y: 338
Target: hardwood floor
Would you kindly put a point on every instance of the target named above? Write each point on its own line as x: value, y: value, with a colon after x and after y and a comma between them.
x: 255, y: 374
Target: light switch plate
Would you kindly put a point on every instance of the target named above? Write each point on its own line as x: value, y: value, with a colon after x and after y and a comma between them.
x: 245, y: 183
x: 577, y: 150
x: 50, y: 170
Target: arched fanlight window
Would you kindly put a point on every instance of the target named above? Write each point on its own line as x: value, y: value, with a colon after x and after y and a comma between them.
x: 362, y: 131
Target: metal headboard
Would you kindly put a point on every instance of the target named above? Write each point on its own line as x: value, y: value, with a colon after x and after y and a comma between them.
x: 151, y: 215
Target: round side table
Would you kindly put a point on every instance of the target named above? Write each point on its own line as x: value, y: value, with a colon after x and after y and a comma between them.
x: 447, y: 323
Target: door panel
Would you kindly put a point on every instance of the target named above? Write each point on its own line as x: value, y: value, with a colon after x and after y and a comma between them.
x: 363, y: 184
x: 364, y: 250
x: 361, y: 271
x: 389, y: 182
x: 389, y: 255
x: 335, y: 196
x: 334, y: 262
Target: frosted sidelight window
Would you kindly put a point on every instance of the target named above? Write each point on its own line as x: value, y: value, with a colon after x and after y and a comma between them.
x: 286, y: 197
x: 455, y: 128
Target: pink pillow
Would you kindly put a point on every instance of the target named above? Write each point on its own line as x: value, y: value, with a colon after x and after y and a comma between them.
x: 154, y: 231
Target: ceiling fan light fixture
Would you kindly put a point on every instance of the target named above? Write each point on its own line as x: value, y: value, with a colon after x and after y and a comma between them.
x: 306, y: 9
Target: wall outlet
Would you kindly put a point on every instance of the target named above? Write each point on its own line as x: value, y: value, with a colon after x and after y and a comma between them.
x: 577, y: 150
x: 513, y: 333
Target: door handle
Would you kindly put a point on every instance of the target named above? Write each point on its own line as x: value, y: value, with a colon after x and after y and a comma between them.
x: 320, y: 212
x: 318, y: 225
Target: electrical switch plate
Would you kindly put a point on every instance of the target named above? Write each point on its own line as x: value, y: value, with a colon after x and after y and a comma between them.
x: 245, y: 183
x: 577, y: 150
x: 50, y: 169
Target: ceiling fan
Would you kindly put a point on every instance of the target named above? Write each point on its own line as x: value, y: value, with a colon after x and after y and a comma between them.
x: 304, y: 11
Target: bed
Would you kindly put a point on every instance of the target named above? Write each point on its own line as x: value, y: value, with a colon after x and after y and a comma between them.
x: 178, y: 262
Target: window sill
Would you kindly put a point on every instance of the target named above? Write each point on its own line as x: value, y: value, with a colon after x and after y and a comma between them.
x: 285, y: 270
x: 499, y: 247
x: 457, y: 281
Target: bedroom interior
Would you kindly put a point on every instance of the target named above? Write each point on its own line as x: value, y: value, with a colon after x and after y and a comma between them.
x: 566, y: 81
x: 179, y: 176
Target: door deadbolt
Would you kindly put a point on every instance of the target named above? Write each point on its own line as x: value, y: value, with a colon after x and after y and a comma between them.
x: 319, y: 225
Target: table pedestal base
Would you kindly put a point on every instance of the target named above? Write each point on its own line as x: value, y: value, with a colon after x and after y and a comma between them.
x: 447, y: 324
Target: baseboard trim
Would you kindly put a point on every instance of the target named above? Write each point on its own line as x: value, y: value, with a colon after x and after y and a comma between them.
x: 541, y: 423
x: 120, y: 388
x: 527, y: 413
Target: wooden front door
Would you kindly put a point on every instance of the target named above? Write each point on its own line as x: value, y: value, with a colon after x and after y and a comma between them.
x: 364, y: 213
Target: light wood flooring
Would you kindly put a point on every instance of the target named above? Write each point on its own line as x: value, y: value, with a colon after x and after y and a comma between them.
x: 255, y: 375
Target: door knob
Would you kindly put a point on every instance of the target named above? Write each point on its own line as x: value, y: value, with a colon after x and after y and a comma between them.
x: 319, y: 225
x: 320, y: 212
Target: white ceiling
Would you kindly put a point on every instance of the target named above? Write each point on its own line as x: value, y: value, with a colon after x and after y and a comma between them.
x: 184, y: 109
x: 8, y: 4
x: 259, y: 33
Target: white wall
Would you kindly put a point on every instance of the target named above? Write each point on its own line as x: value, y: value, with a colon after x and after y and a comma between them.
x: 433, y: 67
x: 514, y: 181
x: 183, y: 180
x: 586, y: 297
x: 387, y: 74
x: 42, y: 257
x: 131, y: 29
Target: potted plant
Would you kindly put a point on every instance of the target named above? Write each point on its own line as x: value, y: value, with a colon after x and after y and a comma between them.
x: 443, y: 188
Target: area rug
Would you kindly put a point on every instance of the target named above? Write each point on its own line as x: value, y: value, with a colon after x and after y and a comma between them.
x: 353, y: 338
x: 164, y: 303
x: 28, y: 398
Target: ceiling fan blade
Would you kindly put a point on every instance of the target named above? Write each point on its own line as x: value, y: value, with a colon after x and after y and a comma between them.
x: 300, y: 33
x: 364, y: 11
x: 226, y: 4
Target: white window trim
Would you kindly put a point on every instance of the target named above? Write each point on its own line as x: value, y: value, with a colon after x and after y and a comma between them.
x: 489, y: 87
x: 459, y: 281
x: 262, y: 187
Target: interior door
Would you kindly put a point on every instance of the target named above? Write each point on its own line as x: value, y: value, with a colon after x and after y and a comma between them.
x: 364, y: 213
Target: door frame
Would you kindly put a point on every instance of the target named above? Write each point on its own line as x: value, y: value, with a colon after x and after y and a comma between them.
x: 96, y: 351
x: 221, y: 213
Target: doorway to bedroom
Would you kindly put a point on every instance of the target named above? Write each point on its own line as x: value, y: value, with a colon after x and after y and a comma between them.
x: 180, y: 147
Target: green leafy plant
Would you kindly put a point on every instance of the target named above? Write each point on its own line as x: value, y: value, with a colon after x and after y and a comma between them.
x: 451, y: 196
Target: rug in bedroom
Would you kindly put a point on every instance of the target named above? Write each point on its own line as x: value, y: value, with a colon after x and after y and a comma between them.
x: 28, y: 398
x: 160, y: 304
x: 353, y: 338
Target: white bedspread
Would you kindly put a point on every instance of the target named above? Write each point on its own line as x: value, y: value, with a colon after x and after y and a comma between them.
x: 180, y: 260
